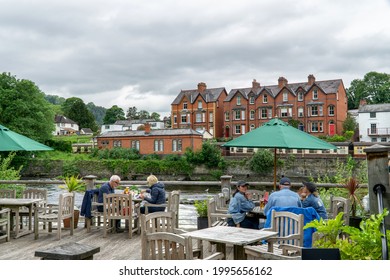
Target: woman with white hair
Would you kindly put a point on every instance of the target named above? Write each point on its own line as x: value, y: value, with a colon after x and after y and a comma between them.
x: 157, y: 195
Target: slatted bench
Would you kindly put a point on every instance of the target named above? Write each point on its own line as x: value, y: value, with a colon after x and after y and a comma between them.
x: 68, y: 251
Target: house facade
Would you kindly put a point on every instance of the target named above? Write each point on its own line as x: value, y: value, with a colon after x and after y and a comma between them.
x: 374, y: 122
x: 65, y: 126
x: 320, y: 107
x: 123, y: 125
x: 149, y: 141
x: 199, y: 109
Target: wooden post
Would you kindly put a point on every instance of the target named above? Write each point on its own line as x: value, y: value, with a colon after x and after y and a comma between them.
x: 89, y: 182
x: 226, y: 185
x: 378, y: 173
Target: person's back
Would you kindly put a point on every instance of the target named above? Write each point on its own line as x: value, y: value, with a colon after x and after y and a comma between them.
x: 313, y: 200
x: 284, y: 197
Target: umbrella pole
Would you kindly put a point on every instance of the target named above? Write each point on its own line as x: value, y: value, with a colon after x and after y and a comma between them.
x: 274, y: 169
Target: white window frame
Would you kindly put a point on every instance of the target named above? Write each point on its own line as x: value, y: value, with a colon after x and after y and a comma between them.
x: 238, y: 100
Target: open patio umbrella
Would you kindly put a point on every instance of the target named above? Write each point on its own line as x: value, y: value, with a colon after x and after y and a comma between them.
x: 277, y: 134
x: 12, y: 141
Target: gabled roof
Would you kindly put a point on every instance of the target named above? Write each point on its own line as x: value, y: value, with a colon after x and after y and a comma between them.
x: 328, y: 86
x: 63, y: 119
x: 209, y: 95
x: 153, y: 132
x: 368, y: 108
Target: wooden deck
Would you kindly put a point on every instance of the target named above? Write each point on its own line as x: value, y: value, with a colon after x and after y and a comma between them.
x: 116, y: 246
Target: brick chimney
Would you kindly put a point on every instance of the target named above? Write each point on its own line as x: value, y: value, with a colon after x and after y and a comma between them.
x: 362, y: 102
x: 311, y: 79
x: 255, y: 84
x: 202, y: 87
x: 147, y: 128
x: 282, y: 81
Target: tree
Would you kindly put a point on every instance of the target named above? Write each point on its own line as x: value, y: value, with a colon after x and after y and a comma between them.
x: 374, y: 88
x: 23, y: 108
x: 97, y: 111
x: 143, y: 115
x: 349, y: 124
x: 113, y: 114
x: 132, y: 113
x: 155, y: 116
x: 75, y: 109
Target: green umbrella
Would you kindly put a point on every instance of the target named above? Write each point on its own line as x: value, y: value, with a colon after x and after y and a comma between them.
x: 278, y: 134
x: 12, y: 141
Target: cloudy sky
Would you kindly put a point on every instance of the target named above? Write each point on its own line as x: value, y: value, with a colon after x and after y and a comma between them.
x: 142, y: 53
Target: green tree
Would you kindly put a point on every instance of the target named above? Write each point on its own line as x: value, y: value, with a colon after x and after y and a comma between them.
x: 132, y: 113
x: 113, y: 114
x: 97, y: 111
x: 262, y: 161
x: 374, y: 88
x: 155, y: 116
x: 23, y: 108
x: 349, y: 124
x: 75, y: 109
x: 143, y: 115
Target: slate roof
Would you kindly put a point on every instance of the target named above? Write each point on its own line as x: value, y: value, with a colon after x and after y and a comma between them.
x: 209, y: 95
x: 328, y: 86
x: 63, y: 119
x: 368, y: 108
x: 153, y: 132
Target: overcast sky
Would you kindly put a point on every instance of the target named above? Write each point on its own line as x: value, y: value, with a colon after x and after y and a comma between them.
x: 142, y: 53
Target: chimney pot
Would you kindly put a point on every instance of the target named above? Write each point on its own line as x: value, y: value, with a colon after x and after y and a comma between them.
x: 255, y: 84
x: 282, y: 81
x: 202, y: 87
x: 311, y: 79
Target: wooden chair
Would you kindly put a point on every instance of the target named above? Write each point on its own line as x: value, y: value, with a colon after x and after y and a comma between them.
x: 256, y: 195
x: 337, y: 205
x: 216, y: 217
x: 119, y: 207
x: 147, y: 204
x: 288, y: 243
x: 222, y: 202
x: 90, y: 210
x: 34, y: 194
x: 5, y: 222
x: 174, y: 204
x: 52, y: 214
x: 7, y: 193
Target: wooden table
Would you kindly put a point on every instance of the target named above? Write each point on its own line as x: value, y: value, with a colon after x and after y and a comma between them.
x: 14, y: 204
x: 259, y: 212
x: 68, y: 251
x: 236, y: 236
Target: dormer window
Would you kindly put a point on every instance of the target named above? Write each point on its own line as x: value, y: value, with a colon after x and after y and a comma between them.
x: 285, y: 96
x: 265, y: 98
x: 252, y: 100
x: 185, y: 106
x: 199, y: 104
x: 238, y: 100
x: 300, y: 96
x: 315, y: 94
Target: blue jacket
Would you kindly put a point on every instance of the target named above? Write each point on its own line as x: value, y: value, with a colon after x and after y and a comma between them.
x: 105, y: 188
x: 283, y: 198
x: 157, y: 196
x: 238, y: 207
x: 309, y: 215
x: 87, y: 202
x: 315, y: 202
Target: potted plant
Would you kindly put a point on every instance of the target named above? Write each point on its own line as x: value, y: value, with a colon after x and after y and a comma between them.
x: 201, y: 209
x: 355, y: 197
x: 73, y: 184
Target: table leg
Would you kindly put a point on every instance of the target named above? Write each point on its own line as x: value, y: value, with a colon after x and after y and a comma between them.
x: 16, y: 222
x: 221, y: 247
x: 30, y: 217
x: 239, y: 252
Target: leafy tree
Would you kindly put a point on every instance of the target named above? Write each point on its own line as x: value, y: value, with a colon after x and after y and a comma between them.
x: 55, y: 99
x: 210, y: 155
x: 349, y: 123
x: 262, y: 161
x: 374, y: 88
x: 23, y: 108
x: 143, y: 115
x: 294, y: 123
x: 113, y: 114
x: 155, y: 116
x: 75, y: 109
x: 98, y: 112
x: 132, y: 113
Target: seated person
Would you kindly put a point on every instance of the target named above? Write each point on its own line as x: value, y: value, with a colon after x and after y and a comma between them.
x: 283, y: 198
x: 239, y: 205
x: 157, y: 195
x: 313, y: 200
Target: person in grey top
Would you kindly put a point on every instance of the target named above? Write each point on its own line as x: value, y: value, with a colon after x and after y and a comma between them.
x: 284, y: 197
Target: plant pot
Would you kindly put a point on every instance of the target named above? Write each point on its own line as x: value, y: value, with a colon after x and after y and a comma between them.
x: 76, y: 220
x: 355, y: 221
x: 202, y: 222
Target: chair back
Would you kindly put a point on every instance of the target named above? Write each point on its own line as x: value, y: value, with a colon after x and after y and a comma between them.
x: 167, y: 246
x: 289, y: 227
x: 7, y: 193
x: 66, y: 206
x: 216, y: 217
x: 36, y: 194
x: 156, y: 222
x: 5, y: 223
x: 221, y: 201
x: 340, y: 204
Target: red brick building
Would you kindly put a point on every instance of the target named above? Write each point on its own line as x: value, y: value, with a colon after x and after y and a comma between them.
x: 319, y: 106
x: 156, y: 141
x: 200, y: 109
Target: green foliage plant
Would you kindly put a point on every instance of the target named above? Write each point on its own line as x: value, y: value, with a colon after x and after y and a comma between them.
x: 7, y: 172
x: 73, y: 184
x: 364, y: 243
x: 201, y: 208
x: 262, y: 161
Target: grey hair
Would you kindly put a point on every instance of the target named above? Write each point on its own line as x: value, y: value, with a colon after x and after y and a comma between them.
x: 115, y: 178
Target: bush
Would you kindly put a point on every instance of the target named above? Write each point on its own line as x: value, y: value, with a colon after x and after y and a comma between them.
x: 262, y: 161
x: 201, y: 208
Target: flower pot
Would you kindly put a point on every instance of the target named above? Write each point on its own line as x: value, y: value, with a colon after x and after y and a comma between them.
x: 76, y: 220
x: 202, y: 222
x: 355, y: 221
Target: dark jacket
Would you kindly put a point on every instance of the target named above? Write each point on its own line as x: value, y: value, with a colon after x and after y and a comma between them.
x: 105, y: 188
x: 87, y: 203
x: 157, y: 196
